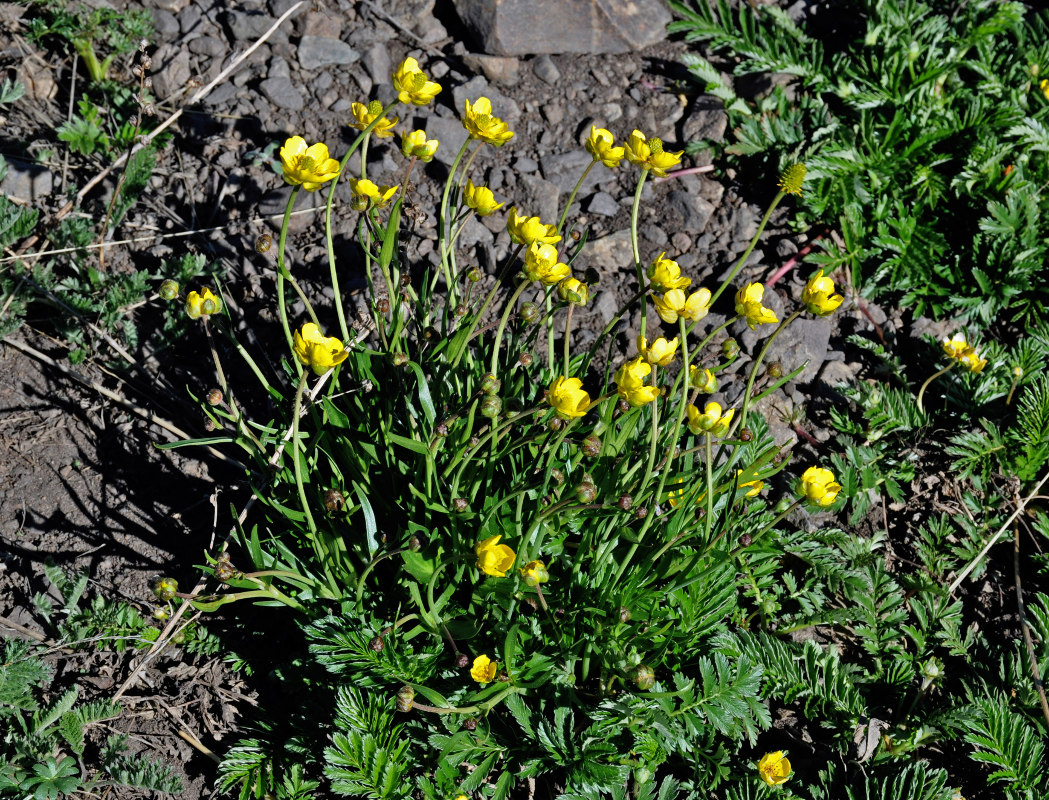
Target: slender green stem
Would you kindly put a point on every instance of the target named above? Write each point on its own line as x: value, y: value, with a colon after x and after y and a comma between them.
x: 930, y: 379
x: 750, y: 249
x: 709, y: 458
x: 282, y: 271
x: 476, y: 318
x: 502, y: 325
x: 635, y: 212
x: 754, y: 372
x: 568, y: 338
x: 571, y: 197
x: 443, y: 228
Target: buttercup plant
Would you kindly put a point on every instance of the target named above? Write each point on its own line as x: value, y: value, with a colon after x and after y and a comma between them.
x: 488, y: 543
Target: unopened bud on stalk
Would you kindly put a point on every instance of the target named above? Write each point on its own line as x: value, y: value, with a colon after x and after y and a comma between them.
x: 399, y: 359
x: 490, y: 384
x: 262, y: 244
x: 470, y: 724
x: 382, y: 305
x: 441, y: 430
x: 504, y: 676
x: 214, y: 397
x: 460, y: 505
x: 525, y: 359
x: 164, y: 588
x: 558, y: 476
x: 592, y: 446
x: 642, y: 775
x: 745, y: 540
x: 586, y: 492
x: 461, y: 309
x: 774, y: 370
x: 644, y: 677
x: 491, y: 407
x: 730, y: 348
x: 405, y: 698
x: 415, y: 544
x: 473, y: 441
x: 745, y: 434
x: 377, y: 645
x: 641, y: 512
x: 334, y: 500
x: 624, y: 614
x: 169, y: 290
x: 623, y: 406
x: 625, y: 502
x: 462, y: 661
x: 474, y: 275
x: 529, y: 313
x: 209, y: 425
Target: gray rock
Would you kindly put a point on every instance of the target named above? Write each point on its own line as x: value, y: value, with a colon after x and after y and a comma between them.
x: 806, y: 341
x: 654, y: 234
x: 318, y: 23
x: 495, y: 68
x: 273, y: 203
x: 376, y: 60
x: 553, y: 113
x: 474, y: 233
x: 278, y: 7
x: 610, y: 255
x: 449, y: 132
x: 319, y: 51
x: 681, y: 242
x: 208, y: 46
x: 278, y: 68
x: 546, y: 70
x: 687, y: 212
x: 165, y: 23
x: 604, y: 306
x: 247, y: 26
x: 502, y: 106
x: 538, y: 197
x: 746, y: 225
x: 189, y: 19
x: 220, y: 94
x: 525, y: 165
x: 706, y: 120
x: 27, y: 181
x: 172, y: 6
x: 282, y: 93
x: 520, y: 27
x: 173, y: 72
x: 603, y: 204
x: 430, y: 30
x: 564, y: 169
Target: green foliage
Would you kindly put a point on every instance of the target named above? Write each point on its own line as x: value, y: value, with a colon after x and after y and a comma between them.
x: 917, y: 121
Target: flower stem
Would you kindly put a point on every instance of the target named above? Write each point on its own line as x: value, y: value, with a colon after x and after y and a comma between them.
x: 443, y: 228
x: 634, y: 213
x: 750, y: 249
x: 568, y: 338
x: 502, y: 325
x: 930, y: 379
x: 754, y: 371
x: 571, y: 197
x: 282, y: 271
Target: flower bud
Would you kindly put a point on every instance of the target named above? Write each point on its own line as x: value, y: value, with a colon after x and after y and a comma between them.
x: 491, y: 407
x: 473, y: 441
x: 462, y: 661
x: 441, y: 430
x: 745, y: 540
x: 557, y: 475
x: 160, y: 613
x: 529, y: 313
x: 470, y: 724
x: 377, y: 645
x: 209, y: 425
x: 730, y: 348
x: 209, y: 305
x: 461, y: 309
x: 405, y: 698
x: 624, y: 614
x: 214, y: 397
x: 490, y: 384
x: 774, y: 370
x: 644, y: 677
x: 586, y: 492
x: 415, y: 544
x: 460, y: 505
x: 623, y: 406
x: 164, y: 588
x: 641, y: 512
x: 625, y: 502
x: 592, y: 446
x: 430, y: 333
x: 555, y: 424
x: 334, y: 500
x: 382, y: 305
x: 525, y: 359
x: 399, y: 359
x: 745, y: 434
x: 474, y: 275
x: 702, y: 380
x: 169, y: 290
x: 642, y: 775
x: 262, y: 244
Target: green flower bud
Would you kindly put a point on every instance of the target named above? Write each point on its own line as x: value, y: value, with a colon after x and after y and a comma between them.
x: 730, y: 348
x: 491, y: 406
x: 169, y: 290
x: 644, y: 677
x: 399, y: 359
x: 529, y: 313
x: 592, y: 446
x: 405, y: 698
x: 262, y: 244
x: 214, y: 397
x: 164, y: 588
x: 490, y: 384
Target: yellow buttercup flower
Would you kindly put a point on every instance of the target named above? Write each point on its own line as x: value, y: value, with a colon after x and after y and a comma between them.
x: 660, y: 352
x: 484, y: 669
x: 574, y: 291
x: 534, y: 573
x: 792, y: 178
x: 481, y: 199
x: 675, y: 496
x: 754, y: 487
x: 416, y: 145
x: 371, y: 195
x: 567, y: 397
x: 202, y: 303
x: 541, y: 264
x: 494, y: 558
x: 630, y: 382
x: 526, y: 230
x: 480, y: 123
x: 675, y: 304
x: 818, y: 486
x: 649, y: 154
x: 711, y: 421
x: 962, y: 352
x: 412, y: 84
x: 665, y: 275
x: 818, y: 295
x: 310, y: 166
x: 702, y: 380
x: 365, y: 115
x: 601, y: 145
x: 317, y: 351
x: 1044, y: 86
x: 774, y: 768
x: 748, y: 304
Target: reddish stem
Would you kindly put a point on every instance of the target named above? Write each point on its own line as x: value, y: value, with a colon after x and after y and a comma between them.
x: 793, y: 260
x: 681, y: 173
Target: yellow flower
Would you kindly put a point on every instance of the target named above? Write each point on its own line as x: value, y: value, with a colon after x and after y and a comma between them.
x: 412, y: 84
x: 748, y: 304
x: 702, y: 380
x: 818, y: 486
x: 754, y: 486
x: 649, y: 154
x: 311, y: 166
x: 675, y: 496
x: 630, y: 382
x: 370, y: 195
x: 483, y: 670
x: 481, y: 199
x: 665, y: 274
x: 534, y: 573
x: 818, y: 295
x: 365, y: 115
x: 573, y: 290
x: 958, y: 349
x: 203, y: 303
x: 567, y: 397
x: 711, y: 421
x: 1044, y: 86
x: 480, y: 123
x: 792, y: 178
x: 774, y: 768
x: 416, y: 145
x: 541, y: 264
x: 601, y: 146
x: 660, y: 352
x: 494, y: 558
x: 525, y: 230
x: 317, y: 351
x: 675, y: 304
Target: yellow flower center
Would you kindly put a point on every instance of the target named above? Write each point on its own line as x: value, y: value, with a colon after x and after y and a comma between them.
x: 483, y: 121
x: 306, y: 164
x: 418, y: 81
x: 374, y: 108
x: 655, y: 145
